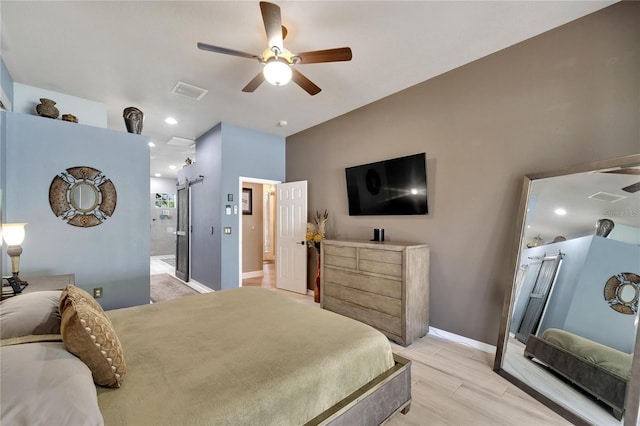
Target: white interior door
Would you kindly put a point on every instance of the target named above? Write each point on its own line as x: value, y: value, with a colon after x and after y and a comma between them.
x: 291, y: 247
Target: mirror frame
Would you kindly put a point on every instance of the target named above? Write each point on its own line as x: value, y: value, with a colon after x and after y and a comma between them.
x: 632, y: 407
x: 62, y: 196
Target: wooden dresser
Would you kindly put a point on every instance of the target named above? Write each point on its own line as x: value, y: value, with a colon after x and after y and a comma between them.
x: 383, y: 284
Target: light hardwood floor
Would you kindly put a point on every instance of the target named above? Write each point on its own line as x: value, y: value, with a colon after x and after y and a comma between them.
x: 452, y: 384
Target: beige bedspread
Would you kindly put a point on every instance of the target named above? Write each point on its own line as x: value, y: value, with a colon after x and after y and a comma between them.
x: 247, y: 356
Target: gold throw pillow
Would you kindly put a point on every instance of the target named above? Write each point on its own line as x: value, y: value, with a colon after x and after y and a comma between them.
x: 88, y: 334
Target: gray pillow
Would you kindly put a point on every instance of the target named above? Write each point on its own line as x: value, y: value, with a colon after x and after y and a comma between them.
x: 43, y: 384
x: 29, y: 314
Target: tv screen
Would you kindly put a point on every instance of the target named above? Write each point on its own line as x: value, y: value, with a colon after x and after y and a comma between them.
x: 391, y: 187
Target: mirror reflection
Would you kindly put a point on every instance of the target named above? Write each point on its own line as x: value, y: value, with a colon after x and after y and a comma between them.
x: 84, y: 197
x: 573, y: 316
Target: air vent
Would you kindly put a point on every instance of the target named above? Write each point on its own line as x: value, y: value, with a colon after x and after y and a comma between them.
x: 606, y: 196
x: 176, y: 141
x: 189, y: 91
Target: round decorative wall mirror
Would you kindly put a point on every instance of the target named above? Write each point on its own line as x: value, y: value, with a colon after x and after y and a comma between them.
x: 82, y: 196
x: 621, y: 292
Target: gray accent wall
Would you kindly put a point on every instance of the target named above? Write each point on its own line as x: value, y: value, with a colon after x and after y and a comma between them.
x: 113, y: 255
x: 223, y: 155
x: 568, y: 96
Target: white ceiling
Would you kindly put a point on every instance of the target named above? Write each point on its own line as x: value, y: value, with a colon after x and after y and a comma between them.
x: 572, y: 193
x: 132, y: 53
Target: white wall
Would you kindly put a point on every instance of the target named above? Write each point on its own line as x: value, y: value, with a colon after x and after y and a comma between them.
x: 162, y: 185
x: 91, y: 113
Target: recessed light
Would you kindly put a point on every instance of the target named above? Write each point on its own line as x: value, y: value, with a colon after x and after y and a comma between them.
x: 560, y: 211
x: 172, y: 167
x: 170, y: 120
x: 158, y: 175
x: 151, y: 144
x: 282, y: 123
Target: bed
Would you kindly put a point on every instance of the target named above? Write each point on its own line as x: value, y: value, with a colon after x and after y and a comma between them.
x: 241, y: 356
x: 600, y: 370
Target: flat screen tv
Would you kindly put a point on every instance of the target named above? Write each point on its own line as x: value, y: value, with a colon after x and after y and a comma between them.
x: 391, y: 187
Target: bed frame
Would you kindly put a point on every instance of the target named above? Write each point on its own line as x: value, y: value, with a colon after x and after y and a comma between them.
x: 375, y: 402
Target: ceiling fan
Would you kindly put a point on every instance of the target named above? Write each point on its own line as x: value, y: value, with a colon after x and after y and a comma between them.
x: 279, y: 62
x: 634, y: 187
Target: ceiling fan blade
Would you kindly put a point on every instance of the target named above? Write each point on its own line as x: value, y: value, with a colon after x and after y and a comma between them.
x: 254, y: 83
x: 632, y: 188
x: 225, y: 51
x: 328, y: 55
x: 625, y: 171
x: 304, y: 82
x: 272, y: 24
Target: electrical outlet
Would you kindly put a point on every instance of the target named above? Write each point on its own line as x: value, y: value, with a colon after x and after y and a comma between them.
x: 97, y: 292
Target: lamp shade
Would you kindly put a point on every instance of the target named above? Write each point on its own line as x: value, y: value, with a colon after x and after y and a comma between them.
x: 277, y: 72
x: 13, y: 233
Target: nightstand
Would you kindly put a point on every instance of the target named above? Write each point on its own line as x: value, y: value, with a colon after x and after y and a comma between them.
x: 48, y: 282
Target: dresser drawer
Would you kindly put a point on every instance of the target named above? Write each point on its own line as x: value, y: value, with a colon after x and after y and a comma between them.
x: 339, y: 250
x: 386, y: 256
x: 371, y: 317
x: 378, y: 285
x: 390, y: 269
x: 340, y: 261
x: 387, y: 305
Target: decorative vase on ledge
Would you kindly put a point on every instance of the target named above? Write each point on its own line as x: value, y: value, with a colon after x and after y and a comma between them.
x: 133, y: 118
x: 47, y: 108
x: 604, y: 227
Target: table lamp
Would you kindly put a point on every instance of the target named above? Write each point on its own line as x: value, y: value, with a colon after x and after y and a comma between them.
x: 13, y: 235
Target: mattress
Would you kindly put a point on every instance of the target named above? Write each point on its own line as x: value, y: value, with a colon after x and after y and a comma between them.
x: 241, y: 356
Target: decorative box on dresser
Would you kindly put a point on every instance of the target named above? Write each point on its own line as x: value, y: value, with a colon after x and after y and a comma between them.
x: 383, y: 284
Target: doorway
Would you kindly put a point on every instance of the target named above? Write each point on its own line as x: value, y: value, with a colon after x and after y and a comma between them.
x: 257, y: 232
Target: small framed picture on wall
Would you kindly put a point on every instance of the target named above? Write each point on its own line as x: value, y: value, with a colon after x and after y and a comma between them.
x: 247, y: 205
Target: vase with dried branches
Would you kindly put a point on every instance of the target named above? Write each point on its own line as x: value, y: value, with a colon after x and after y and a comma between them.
x: 315, y: 234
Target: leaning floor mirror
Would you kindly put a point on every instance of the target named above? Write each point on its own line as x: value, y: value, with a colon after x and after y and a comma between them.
x: 569, y: 328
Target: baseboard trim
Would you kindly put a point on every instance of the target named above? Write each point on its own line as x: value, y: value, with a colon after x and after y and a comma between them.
x: 200, y: 288
x: 252, y: 274
x: 462, y: 340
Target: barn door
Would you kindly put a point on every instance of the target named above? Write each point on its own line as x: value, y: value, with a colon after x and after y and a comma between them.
x: 182, y: 232
x: 538, y: 297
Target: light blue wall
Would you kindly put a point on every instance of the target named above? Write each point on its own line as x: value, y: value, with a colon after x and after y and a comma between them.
x: 113, y: 255
x: 577, y: 303
x: 6, y: 82
x: 589, y: 315
x: 250, y: 154
x: 223, y: 155
x: 575, y: 253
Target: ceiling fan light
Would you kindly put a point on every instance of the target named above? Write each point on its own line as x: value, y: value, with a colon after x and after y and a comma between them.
x: 277, y: 72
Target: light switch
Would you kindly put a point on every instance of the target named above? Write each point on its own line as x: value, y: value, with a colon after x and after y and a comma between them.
x: 227, y: 210
x: 235, y: 209
x: 227, y: 230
